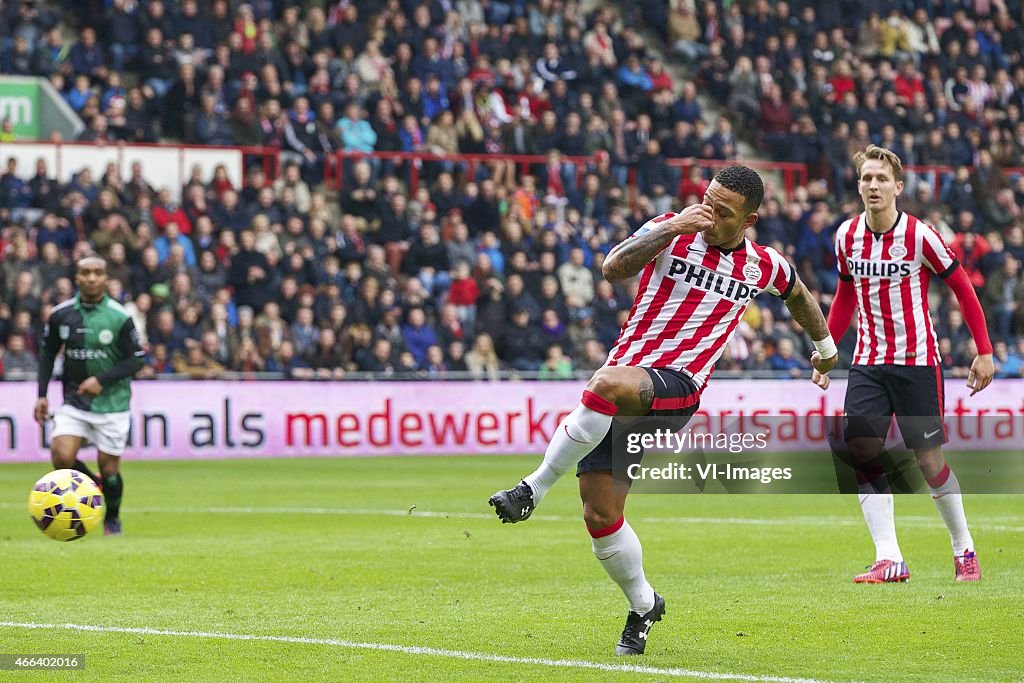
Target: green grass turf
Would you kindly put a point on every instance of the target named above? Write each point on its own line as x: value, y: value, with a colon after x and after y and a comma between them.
x: 766, y: 600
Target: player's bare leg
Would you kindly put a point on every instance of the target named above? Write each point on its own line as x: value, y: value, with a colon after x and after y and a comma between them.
x: 64, y: 455
x: 604, y: 499
x: 945, y: 489
x: 617, y: 547
x: 616, y: 390
x: 931, y: 461
x: 878, y: 505
x: 64, y: 451
x: 113, y: 490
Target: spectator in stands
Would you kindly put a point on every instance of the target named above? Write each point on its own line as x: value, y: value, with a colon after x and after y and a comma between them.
x: 24, y: 295
x: 248, y: 359
x: 16, y: 194
x: 287, y: 362
x: 167, y: 332
x: 18, y: 61
x: 360, y: 198
x: 434, y: 365
x: 357, y: 134
x: 785, y: 358
x: 270, y: 330
x: 427, y: 258
x: 970, y: 249
x: 684, y: 31
x: 556, y: 365
x: 156, y: 63
x: 418, y: 335
x: 195, y: 364
x: 1002, y: 295
x: 211, y: 126
x: 228, y: 213
x: 379, y: 360
x: 576, y: 280
x: 815, y: 249
x: 248, y: 273
x: 482, y: 360
x: 1009, y: 363
x: 86, y: 57
x: 122, y: 32
x: 305, y: 142
x: 291, y: 179
x: 522, y: 343
x: 18, y: 362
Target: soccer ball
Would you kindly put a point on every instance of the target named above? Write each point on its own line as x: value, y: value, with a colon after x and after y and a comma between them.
x: 65, y: 505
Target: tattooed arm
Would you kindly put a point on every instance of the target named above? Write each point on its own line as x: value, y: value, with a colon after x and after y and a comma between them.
x: 806, y: 311
x: 630, y: 256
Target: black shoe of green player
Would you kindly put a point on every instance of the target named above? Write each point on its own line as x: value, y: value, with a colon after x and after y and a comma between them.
x: 112, y: 527
x: 513, y: 505
x: 634, y: 636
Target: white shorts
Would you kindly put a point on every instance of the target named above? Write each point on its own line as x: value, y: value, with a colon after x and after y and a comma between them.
x: 108, y: 431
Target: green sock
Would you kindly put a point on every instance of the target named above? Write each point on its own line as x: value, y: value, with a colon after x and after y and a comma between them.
x: 113, y: 488
x: 80, y: 466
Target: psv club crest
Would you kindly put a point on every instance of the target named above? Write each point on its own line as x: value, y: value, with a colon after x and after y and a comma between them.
x: 897, y: 251
x: 752, y: 271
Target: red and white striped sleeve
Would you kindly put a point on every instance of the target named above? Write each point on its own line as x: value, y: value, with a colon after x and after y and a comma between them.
x: 783, y: 275
x: 650, y: 225
x: 844, y: 268
x: 934, y: 252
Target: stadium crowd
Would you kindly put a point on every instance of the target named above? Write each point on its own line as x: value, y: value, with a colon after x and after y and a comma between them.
x: 489, y: 269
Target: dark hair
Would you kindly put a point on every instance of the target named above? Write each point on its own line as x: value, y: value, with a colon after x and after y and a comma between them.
x: 90, y: 257
x: 744, y: 181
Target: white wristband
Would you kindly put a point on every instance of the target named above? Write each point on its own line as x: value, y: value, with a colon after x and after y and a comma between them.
x: 826, y: 347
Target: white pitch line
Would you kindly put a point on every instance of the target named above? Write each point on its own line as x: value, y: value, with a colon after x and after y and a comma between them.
x: 381, y: 512
x: 428, y: 651
x: 911, y: 521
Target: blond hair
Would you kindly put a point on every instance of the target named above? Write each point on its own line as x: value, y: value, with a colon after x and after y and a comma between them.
x: 881, y: 154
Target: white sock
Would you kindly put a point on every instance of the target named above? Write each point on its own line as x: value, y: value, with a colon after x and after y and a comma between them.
x: 950, y: 502
x: 622, y: 556
x: 879, y: 513
x: 576, y: 435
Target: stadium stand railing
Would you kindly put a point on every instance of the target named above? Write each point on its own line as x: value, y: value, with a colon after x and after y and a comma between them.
x: 938, y: 176
x: 793, y: 174
x: 164, y: 165
x: 271, y: 159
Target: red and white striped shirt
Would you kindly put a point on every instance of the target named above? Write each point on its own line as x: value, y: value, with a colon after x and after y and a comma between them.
x: 690, y: 300
x: 890, y: 273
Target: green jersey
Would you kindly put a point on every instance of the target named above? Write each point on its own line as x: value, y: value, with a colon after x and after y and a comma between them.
x: 99, y: 340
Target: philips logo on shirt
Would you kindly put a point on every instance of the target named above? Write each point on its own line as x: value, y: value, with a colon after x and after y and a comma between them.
x: 710, y: 281
x: 888, y: 270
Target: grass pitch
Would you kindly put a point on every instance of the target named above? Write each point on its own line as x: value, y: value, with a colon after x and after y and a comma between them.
x: 348, y: 557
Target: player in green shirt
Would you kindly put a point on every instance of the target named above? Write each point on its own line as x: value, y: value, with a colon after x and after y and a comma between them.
x: 101, y: 353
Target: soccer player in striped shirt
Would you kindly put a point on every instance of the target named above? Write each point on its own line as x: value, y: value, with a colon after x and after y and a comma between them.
x: 886, y: 259
x: 698, y: 273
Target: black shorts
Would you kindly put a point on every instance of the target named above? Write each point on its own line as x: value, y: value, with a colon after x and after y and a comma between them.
x: 914, y: 394
x: 675, y: 396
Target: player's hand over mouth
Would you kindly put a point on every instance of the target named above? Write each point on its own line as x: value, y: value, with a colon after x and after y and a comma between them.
x: 691, y: 220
